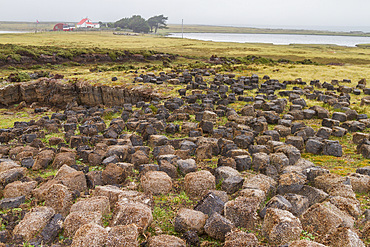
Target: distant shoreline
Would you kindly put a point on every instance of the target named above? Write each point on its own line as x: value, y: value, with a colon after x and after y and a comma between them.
x: 175, y: 28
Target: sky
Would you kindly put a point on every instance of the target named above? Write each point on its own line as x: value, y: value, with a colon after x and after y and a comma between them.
x: 249, y: 13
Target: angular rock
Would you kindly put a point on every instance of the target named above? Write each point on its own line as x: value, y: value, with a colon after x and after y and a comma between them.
x: 90, y: 235
x: 345, y: 237
x: 197, y: 184
x: 33, y: 222
x: 92, y: 204
x: 324, y: 218
x: 280, y: 226
x: 190, y: 220
x: 156, y: 182
x: 166, y: 240
x: 60, y: 198
x: 186, y: 166
x: 12, y: 202
x: 217, y: 226
x: 132, y: 212
x: 242, y: 212
x: 210, y: 204
x: 239, y: 238
x: 77, y: 219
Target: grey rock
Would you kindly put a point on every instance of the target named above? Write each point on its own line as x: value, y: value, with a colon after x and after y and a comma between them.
x: 218, y: 226
x: 14, y: 202
x: 210, y: 204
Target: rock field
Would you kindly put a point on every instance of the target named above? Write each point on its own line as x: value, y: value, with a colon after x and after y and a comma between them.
x: 235, y: 177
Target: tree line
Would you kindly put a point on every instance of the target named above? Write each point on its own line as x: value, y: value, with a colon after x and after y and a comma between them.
x: 139, y: 25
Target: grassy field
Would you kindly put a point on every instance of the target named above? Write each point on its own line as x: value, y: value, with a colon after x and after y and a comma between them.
x: 322, y: 54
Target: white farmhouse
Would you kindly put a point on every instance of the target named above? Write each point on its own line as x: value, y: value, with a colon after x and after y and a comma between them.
x: 87, y: 23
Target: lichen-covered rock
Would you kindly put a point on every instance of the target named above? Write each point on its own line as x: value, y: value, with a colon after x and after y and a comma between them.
x: 360, y: 183
x: 344, y: 237
x: 132, y: 213
x: 242, y: 211
x: 19, y: 188
x: 92, y: 204
x: 123, y: 236
x: 261, y: 182
x: 156, y: 182
x: 33, y: 222
x: 113, y: 174
x: 305, y: 243
x: 60, y: 198
x: 218, y: 226
x: 67, y: 158
x: 188, y: 220
x: 74, y: 180
x: 166, y: 240
x: 79, y: 218
x: 197, y: 184
x: 280, y: 226
x: 90, y: 235
x: 239, y: 238
x: 323, y: 219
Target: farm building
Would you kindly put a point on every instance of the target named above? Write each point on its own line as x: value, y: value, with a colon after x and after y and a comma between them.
x: 87, y: 23
x: 63, y: 27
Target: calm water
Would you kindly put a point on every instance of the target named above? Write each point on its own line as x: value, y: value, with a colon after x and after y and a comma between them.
x: 278, y: 39
x: 12, y: 32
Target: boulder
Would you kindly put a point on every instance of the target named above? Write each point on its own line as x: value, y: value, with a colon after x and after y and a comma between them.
x: 322, y: 219
x: 92, y: 204
x: 277, y: 201
x: 77, y: 219
x: 305, y: 243
x: 166, y: 240
x: 60, y: 198
x: 345, y: 237
x: 197, y: 184
x: 19, y: 188
x: 190, y: 220
x: 33, y: 222
x: 210, y: 204
x: 43, y: 159
x: 218, y: 226
x: 52, y: 229
x: 12, y: 202
x: 113, y: 174
x: 90, y: 235
x: 125, y: 236
x: 360, y: 183
x: 239, y: 238
x: 280, y: 226
x: 332, y: 148
x: 126, y: 213
x: 64, y: 159
x: 186, y: 166
x: 156, y: 182
x: 242, y: 211
x: 349, y: 205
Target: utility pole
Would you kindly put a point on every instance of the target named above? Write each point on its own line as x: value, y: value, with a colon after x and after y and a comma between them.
x: 182, y: 28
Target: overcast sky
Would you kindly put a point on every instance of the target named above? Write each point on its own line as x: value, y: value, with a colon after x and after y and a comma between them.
x: 210, y: 12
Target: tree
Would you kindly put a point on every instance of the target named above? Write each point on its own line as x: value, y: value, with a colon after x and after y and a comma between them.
x: 122, y: 23
x: 157, y: 22
x: 138, y: 24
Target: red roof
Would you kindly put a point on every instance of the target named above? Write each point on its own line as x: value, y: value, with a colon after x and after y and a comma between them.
x: 83, y: 21
x: 87, y: 20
